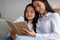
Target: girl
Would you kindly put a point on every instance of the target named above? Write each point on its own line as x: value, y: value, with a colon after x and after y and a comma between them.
x: 30, y: 17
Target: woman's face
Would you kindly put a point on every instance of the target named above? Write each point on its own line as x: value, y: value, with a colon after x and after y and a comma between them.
x: 39, y: 6
x: 30, y: 13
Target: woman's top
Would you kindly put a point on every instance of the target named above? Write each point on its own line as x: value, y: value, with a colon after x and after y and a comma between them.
x: 48, y: 26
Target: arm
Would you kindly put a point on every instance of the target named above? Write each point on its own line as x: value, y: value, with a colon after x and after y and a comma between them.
x: 13, y: 34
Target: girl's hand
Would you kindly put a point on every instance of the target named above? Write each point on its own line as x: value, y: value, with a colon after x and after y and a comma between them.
x: 13, y: 34
x: 29, y: 33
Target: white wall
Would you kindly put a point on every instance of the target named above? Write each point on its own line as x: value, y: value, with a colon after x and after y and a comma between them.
x: 54, y: 3
x: 12, y: 8
x: 15, y: 8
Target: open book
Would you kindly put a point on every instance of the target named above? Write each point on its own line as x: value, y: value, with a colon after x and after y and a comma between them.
x: 18, y: 26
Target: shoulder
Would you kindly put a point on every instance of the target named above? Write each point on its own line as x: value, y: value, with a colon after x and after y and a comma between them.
x: 54, y: 14
x: 19, y: 19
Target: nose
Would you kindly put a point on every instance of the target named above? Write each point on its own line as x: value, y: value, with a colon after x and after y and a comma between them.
x: 29, y: 13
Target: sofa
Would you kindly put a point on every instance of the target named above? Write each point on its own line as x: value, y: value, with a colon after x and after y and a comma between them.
x: 4, y: 28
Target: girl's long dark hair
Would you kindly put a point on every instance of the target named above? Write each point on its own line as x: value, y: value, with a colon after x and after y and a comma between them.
x: 34, y: 20
x: 48, y: 7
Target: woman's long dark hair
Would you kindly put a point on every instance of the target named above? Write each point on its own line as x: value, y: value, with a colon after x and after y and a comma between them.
x: 34, y: 20
x: 48, y: 7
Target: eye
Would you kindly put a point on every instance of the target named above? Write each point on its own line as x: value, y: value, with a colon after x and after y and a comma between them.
x: 27, y: 12
x: 32, y: 11
x: 35, y: 7
x: 38, y: 5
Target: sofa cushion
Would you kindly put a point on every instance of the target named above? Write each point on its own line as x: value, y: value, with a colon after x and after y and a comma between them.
x: 4, y: 28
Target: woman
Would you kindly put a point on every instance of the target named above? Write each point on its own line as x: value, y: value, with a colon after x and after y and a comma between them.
x: 48, y: 26
x: 30, y: 17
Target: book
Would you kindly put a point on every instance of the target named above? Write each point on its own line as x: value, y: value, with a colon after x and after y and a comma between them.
x: 18, y: 27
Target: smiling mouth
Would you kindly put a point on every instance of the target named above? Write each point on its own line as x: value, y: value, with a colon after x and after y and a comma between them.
x: 29, y: 16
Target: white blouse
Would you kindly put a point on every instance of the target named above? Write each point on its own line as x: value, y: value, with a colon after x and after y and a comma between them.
x: 48, y: 26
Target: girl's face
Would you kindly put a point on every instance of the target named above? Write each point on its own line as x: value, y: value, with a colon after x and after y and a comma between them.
x: 39, y: 6
x: 30, y: 13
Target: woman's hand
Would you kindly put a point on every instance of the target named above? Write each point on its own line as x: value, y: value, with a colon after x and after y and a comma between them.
x: 13, y: 34
x: 29, y: 33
